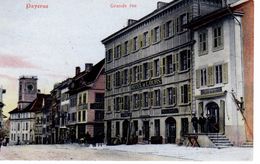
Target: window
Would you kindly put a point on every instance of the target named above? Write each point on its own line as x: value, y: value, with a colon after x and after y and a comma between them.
x: 18, y: 126
x: 145, y: 71
x: 84, y: 98
x: 177, y: 25
x: 109, y: 105
x: 156, y: 67
x: 157, y: 127
x: 99, y: 97
x: 136, y: 101
x: 73, y: 116
x: 118, y: 52
x: 145, y: 99
x: 157, y: 97
x: 169, y: 29
x: 218, y: 37
x: 172, y: 97
x: 26, y: 126
x: 109, y: 55
x: 156, y: 34
x: 108, y: 82
x: 135, y: 44
x: 68, y: 116
x: 184, y: 60
x: 184, y: 18
x: 117, y: 128
x: 126, y: 103
x: 99, y: 115
x: 136, y: 125
x: 185, y: 93
x: 84, y: 116
x: 125, y: 77
x: 126, y: 48
x: 218, y: 74
x: 203, y: 77
x: 169, y: 64
x: 203, y: 42
x: 26, y: 137
x: 146, y: 39
x: 117, y: 79
x: 117, y: 103
x: 73, y: 101
x: 80, y: 99
x: 79, y: 116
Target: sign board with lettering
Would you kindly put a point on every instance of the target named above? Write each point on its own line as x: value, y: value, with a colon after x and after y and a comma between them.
x: 145, y: 84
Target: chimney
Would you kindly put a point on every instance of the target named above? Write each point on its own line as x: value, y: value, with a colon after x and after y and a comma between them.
x: 130, y: 21
x: 161, y: 4
x: 77, y: 70
x: 88, y: 67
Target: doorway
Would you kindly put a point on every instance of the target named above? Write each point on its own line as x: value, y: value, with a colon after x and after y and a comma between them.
x: 213, y: 117
x: 146, y: 130
x: 170, y: 130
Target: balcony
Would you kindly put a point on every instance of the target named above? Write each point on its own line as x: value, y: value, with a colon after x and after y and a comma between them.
x: 98, y: 105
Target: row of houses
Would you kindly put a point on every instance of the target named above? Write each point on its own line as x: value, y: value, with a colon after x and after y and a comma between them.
x: 185, y: 59
x: 74, y: 108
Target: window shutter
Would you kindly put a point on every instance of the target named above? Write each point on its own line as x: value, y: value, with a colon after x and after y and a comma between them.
x: 222, y: 105
x: 130, y: 45
x: 164, y: 97
x: 225, y: 73
x: 189, y: 92
x: 140, y: 72
x: 173, y: 27
x: 122, y: 49
x: 130, y: 102
x: 152, y: 36
x: 189, y: 58
x: 198, y: 77
x: 140, y: 100
x: 162, y: 30
x: 114, y: 79
x: 151, y: 69
x: 175, y: 94
x: 151, y: 99
x: 210, y: 76
x: 163, y: 64
x: 123, y: 103
x: 177, y: 62
x: 130, y: 75
x: 140, y: 41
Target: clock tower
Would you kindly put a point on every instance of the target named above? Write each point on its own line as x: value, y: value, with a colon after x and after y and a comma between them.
x: 27, y: 91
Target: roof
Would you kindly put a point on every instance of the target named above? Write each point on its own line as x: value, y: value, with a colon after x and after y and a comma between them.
x: 211, y: 17
x: 84, y: 80
x: 37, y: 105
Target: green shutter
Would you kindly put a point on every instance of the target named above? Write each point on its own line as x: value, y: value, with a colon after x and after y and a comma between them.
x: 162, y: 30
x: 198, y: 78
x: 210, y: 81
x: 152, y: 36
x: 225, y: 73
x: 122, y: 49
x: 164, y: 97
x: 139, y: 41
x: 130, y: 45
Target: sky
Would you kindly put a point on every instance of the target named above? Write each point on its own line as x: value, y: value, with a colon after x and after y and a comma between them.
x: 50, y: 42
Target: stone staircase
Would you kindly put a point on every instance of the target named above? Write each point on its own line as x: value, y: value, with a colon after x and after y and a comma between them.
x: 248, y: 144
x: 220, y: 140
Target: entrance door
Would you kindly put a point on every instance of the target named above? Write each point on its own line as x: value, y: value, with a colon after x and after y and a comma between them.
x: 146, y: 130
x: 213, y: 117
x: 170, y: 130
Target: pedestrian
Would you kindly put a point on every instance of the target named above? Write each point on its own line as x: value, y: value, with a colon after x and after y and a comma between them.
x: 202, y: 121
x: 88, y: 138
x: 208, y: 123
x: 194, y: 121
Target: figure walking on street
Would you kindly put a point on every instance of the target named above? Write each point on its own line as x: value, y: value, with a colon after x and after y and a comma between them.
x: 0, y: 143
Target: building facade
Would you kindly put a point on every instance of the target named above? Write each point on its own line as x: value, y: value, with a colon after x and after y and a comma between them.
x: 218, y: 80
x: 149, y: 75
